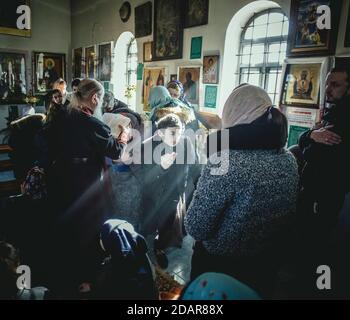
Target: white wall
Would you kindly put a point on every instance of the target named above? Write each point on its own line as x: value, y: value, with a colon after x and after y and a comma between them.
x: 94, y: 22
x: 51, y: 32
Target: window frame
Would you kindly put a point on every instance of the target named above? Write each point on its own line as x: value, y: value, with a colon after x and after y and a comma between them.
x: 129, y: 57
x: 265, y: 67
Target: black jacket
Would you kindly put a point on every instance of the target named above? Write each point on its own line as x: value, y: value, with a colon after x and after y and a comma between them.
x: 77, y: 146
x: 325, y: 178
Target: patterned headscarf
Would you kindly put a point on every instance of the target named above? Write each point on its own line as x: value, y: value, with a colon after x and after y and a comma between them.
x: 159, y: 97
x: 179, y: 85
x: 218, y: 286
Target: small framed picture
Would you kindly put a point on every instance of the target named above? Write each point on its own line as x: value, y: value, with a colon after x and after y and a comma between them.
x: 90, y: 65
x: 13, y: 77
x: 147, y: 51
x: 301, y: 85
x: 305, y: 38
x: 48, y: 67
x: 154, y: 76
x: 77, y: 62
x: 173, y: 77
x: 143, y: 20
x: 196, y: 13
x: 211, y: 69
x: 105, y: 61
x: 190, y: 79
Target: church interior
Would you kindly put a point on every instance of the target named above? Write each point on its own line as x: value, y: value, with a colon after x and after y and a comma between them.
x: 174, y: 149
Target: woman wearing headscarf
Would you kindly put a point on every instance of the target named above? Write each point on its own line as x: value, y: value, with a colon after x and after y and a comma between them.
x: 162, y: 104
x: 177, y: 91
x: 243, y: 206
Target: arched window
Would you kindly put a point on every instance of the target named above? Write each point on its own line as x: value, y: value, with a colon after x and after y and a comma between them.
x: 125, y: 69
x: 131, y: 70
x: 262, y: 50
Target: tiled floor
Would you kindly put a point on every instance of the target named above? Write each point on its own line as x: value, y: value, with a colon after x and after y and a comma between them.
x: 179, y: 260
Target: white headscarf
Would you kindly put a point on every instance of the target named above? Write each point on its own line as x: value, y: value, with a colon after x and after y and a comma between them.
x: 245, y: 104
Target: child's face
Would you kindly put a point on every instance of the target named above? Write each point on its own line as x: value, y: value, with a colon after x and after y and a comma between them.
x: 171, y: 136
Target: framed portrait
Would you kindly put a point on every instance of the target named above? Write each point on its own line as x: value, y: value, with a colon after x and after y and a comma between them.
x: 143, y: 20
x: 152, y: 77
x: 13, y: 80
x: 77, y: 62
x: 168, y: 30
x: 301, y: 85
x: 105, y: 61
x: 305, y: 38
x: 190, y: 79
x: 196, y: 13
x: 211, y: 69
x: 347, y: 32
x: 90, y: 66
x: 173, y: 77
x: 47, y: 68
x: 147, y: 51
x: 9, y: 17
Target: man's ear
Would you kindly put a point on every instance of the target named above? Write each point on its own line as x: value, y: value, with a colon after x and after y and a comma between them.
x: 95, y: 98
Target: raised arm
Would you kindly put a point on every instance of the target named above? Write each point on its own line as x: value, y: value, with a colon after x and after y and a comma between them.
x: 106, y: 144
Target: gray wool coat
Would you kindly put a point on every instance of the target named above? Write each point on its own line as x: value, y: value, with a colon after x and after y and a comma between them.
x: 239, y: 212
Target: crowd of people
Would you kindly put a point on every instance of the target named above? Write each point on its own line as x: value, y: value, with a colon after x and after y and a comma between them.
x: 98, y: 178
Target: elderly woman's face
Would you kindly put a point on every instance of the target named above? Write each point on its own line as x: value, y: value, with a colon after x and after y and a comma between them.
x: 174, y: 93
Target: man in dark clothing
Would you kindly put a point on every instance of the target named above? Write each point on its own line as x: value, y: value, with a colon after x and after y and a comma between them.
x: 325, y: 179
x: 113, y: 105
x: 77, y: 145
x: 81, y: 143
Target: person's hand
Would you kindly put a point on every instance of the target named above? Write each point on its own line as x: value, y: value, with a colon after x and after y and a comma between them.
x: 325, y: 136
x: 167, y: 160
